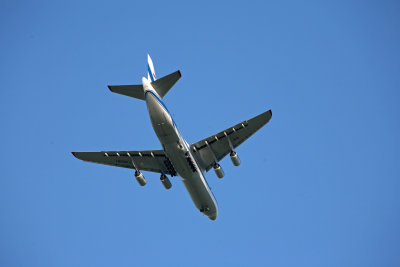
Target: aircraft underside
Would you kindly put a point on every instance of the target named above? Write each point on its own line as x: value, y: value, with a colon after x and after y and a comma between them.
x: 178, y: 152
x: 177, y: 157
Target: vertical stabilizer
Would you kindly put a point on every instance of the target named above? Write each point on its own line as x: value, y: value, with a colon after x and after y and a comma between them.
x: 151, y: 74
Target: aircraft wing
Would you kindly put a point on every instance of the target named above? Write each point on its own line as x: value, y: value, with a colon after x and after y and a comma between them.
x: 149, y: 160
x: 222, y: 143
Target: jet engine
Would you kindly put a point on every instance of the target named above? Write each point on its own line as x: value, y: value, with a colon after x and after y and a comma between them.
x: 165, y: 181
x: 140, y: 178
x: 218, y: 170
x: 235, y: 158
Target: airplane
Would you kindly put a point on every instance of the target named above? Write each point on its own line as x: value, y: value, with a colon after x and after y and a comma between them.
x: 177, y: 158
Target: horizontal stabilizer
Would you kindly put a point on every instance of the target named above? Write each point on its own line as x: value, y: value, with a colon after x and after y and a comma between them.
x: 165, y: 83
x: 161, y: 85
x: 135, y: 91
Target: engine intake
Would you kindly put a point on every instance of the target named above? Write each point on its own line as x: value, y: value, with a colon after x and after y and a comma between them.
x: 140, y: 178
x: 235, y: 158
x: 218, y: 170
x: 165, y: 181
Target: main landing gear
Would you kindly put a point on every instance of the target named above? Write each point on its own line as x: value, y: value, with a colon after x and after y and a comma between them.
x: 204, y: 209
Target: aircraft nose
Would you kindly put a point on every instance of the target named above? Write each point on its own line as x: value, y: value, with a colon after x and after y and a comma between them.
x: 213, y: 217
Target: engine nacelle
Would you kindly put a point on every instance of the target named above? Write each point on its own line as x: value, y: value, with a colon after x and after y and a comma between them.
x: 165, y: 181
x: 235, y: 158
x: 140, y: 178
x: 218, y: 170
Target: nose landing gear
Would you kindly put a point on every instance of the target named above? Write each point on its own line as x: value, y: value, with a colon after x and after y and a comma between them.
x: 204, y: 209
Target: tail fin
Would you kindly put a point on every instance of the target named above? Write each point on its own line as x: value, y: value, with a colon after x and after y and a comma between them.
x: 151, y: 74
x: 161, y: 85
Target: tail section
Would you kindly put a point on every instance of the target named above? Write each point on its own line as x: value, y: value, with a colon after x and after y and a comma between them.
x: 151, y: 74
x: 161, y: 85
x: 165, y: 83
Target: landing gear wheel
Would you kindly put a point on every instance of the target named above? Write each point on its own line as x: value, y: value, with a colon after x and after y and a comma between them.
x: 204, y: 209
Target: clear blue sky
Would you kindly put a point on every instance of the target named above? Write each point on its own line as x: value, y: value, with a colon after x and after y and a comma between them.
x: 318, y: 186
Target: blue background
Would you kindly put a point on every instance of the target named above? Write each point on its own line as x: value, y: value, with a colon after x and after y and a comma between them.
x: 318, y: 185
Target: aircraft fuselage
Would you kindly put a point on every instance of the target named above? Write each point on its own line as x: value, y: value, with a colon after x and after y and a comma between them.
x: 178, y: 152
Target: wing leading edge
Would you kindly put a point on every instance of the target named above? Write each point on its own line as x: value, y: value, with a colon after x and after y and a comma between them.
x: 216, y: 147
x: 149, y: 160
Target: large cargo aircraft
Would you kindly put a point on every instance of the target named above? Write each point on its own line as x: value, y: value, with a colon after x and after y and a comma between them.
x: 177, y: 157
